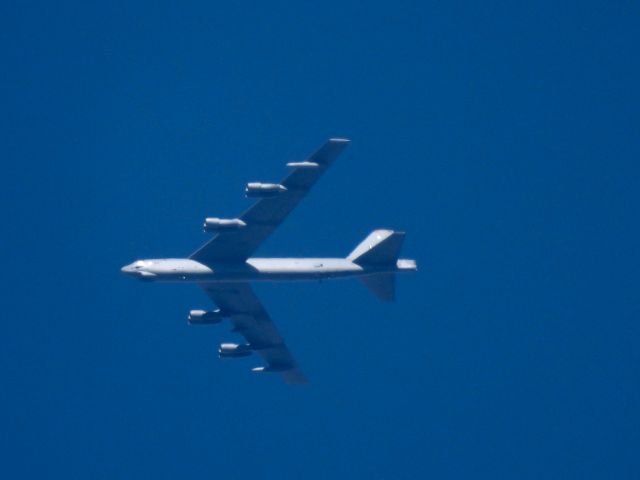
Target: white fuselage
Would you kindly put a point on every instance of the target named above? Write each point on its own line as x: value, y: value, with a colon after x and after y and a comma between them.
x: 254, y: 269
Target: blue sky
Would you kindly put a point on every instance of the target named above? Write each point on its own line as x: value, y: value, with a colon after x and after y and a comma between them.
x: 502, y: 137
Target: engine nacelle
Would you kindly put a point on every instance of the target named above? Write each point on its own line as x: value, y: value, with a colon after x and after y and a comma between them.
x: 204, y: 317
x: 262, y: 190
x: 214, y: 224
x: 233, y: 350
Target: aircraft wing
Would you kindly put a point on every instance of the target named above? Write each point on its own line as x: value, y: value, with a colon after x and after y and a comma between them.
x: 264, y: 216
x: 251, y: 320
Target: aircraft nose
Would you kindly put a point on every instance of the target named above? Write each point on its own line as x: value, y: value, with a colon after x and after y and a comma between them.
x: 127, y: 269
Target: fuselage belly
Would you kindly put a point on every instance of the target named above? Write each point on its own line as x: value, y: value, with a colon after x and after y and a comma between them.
x: 254, y: 269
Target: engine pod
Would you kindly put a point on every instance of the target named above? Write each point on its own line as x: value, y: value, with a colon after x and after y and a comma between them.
x: 233, y: 350
x: 213, y: 224
x: 204, y: 317
x: 262, y: 190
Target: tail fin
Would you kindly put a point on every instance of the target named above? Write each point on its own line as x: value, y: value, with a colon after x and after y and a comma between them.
x: 381, y: 248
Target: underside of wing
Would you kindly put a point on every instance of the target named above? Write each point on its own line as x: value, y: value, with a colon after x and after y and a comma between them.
x: 251, y: 320
x: 264, y: 216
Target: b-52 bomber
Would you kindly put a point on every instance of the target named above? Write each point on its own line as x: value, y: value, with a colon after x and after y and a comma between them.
x: 224, y: 267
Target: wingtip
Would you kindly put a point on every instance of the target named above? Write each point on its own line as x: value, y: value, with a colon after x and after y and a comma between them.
x: 339, y: 140
x: 295, y: 377
x: 291, y: 376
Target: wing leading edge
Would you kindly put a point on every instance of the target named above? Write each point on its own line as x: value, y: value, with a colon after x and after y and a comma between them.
x: 252, y: 321
x: 264, y: 216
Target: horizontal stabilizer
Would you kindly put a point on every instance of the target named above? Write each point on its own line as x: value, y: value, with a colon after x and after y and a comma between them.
x: 381, y: 247
x: 382, y: 285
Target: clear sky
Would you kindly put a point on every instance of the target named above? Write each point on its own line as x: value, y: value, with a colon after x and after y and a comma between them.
x: 502, y: 136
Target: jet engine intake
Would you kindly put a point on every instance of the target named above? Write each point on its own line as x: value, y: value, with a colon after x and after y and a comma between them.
x: 262, y: 190
x: 233, y: 350
x: 204, y: 317
x: 213, y: 224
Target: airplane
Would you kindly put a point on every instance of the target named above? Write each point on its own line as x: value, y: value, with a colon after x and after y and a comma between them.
x: 224, y: 267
